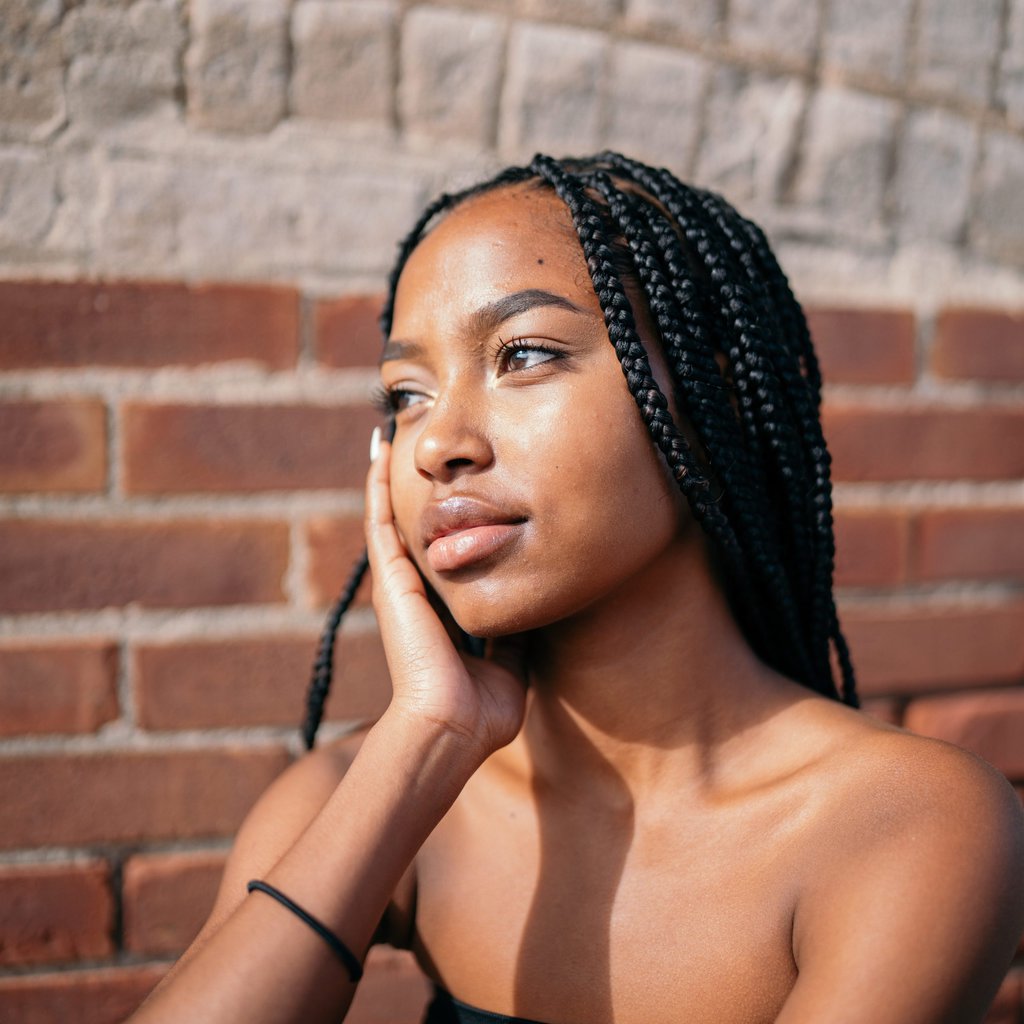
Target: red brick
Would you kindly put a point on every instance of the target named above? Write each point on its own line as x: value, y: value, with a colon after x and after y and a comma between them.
x: 347, y: 331
x: 970, y: 543
x: 991, y: 723
x: 78, y: 997
x: 871, y: 547
x: 890, y: 443
x: 393, y: 989
x: 979, y: 344
x: 259, y: 681
x: 56, y: 687
x: 128, y: 796
x: 53, y: 446
x: 180, y: 448
x: 53, y: 565
x: 167, y: 899
x: 1008, y: 1006
x: 863, y: 346
x: 334, y: 546
x: 916, y: 650
x: 53, y: 913
x: 148, y: 324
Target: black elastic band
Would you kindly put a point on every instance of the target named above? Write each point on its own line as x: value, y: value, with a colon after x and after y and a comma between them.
x: 341, y: 951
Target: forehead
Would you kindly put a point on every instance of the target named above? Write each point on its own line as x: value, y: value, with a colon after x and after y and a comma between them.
x: 505, y: 241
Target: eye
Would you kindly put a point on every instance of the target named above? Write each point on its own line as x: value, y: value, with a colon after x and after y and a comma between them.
x: 390, y: 401
x: 524, y: 355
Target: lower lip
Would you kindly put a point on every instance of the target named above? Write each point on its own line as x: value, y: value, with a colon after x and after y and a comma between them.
x: 467, y: 547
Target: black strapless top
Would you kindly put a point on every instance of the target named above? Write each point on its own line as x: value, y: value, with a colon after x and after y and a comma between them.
x: 446, y: 1009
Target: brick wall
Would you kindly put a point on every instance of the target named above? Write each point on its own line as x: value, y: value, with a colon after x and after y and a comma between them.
x: 180, y: 460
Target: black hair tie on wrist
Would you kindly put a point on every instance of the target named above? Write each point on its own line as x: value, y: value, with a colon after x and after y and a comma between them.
x: 340, y: 950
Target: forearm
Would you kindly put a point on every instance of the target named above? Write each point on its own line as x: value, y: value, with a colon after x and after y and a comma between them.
x: 264, y: 964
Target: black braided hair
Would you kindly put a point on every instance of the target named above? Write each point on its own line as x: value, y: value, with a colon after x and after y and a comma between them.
x: 744, y: 375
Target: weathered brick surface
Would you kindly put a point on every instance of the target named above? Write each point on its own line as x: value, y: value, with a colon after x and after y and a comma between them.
x: 55, y: 913
x: 997, y: 228
x: 166, y: 899
x: 127, y: 796
x: 787, y: 28
x: 871, y: 547
x: 845, y: 155
x: 867, y: 37
x: 393, y: 989
x: 334, y: 545
x: 971, y: 544
x: 53, y: 565
x: 56, y: 688
x: 917, y: 650
x: 140, y: 210
x: 31, y: 71
x: 932, y: 188
x: 552, y: 90
x: 750, y: 132
x: 147, y: 324
x: 101, y: 43
x: 347, y: 330
x: 990, y: 723
x: 1010, y: 88
x: 887, y: 443
x: 172, y: 448
x: 698, y: 18
x: 86, y: 997
x: 654, y: 100
x: 863, y: 346
x: 451, y: 74
x: 979, y: 344
x: 53, y: 446
x: 956, y: 46
x: 28, y: 200
x: 344, y: 60
x: 236, y: 65
x: 240, y: 682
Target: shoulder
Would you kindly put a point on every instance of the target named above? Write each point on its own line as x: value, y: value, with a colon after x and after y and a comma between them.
x: 280, y: 816
x: 915, y: 879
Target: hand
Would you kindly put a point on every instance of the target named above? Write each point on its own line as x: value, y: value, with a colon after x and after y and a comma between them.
x: 481, y: 699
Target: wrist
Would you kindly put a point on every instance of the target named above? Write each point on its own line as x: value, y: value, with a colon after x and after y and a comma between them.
x: 441, y: 743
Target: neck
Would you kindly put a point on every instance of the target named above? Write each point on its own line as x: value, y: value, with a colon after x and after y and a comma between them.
x: 648, y: 687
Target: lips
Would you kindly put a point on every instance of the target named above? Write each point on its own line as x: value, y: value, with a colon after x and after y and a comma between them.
x: 461, y: 531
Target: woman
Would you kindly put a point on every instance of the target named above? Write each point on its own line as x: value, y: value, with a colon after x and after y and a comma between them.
x: 642, y: 801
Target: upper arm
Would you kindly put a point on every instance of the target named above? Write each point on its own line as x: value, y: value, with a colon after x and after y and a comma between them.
x: 918, y: 915
x: 275, y: 822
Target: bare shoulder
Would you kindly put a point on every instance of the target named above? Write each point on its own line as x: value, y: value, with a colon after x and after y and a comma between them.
x: 280, y: 816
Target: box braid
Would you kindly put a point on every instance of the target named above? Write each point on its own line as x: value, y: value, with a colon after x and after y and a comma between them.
x: 759, y: 483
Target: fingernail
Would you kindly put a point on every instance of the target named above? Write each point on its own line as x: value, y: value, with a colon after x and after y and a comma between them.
x: 375, y: 444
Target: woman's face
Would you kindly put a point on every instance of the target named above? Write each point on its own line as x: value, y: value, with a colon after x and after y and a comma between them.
x: 524, y: 483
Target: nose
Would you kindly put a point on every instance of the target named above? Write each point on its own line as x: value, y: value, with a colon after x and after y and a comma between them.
x: 454, y: 439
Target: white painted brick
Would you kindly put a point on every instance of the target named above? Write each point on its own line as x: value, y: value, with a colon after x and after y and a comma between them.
x: 697, y: 19
x: 28, y: 199
x: 123, y: 64
x: 451, y: 74
x: 31, y: 70
x: 654, y: 98
x: 75, y: 225
x: 868, y: 36
x: 956, y: 46
x: 845, y: 156
x: 138, y: 215
x: 750, y: 133
x: 783, y: 28
x: 1011, y: 78
x: 236, y: 64
x: 932, y: 186
x: 998, y: 228
x: 552, y: 98
x: 597, y: 12
x: 344, y: 65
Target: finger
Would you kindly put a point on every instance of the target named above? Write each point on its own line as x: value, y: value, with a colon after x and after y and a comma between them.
x: 383, y: 543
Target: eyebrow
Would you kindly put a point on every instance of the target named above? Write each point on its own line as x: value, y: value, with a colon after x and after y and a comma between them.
x: 488, y: 318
